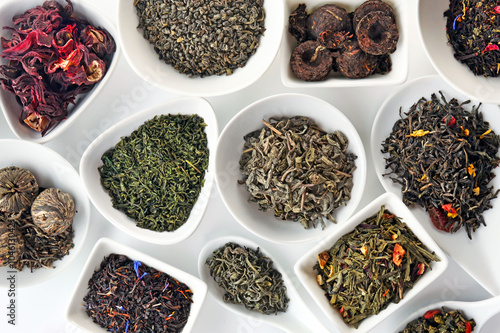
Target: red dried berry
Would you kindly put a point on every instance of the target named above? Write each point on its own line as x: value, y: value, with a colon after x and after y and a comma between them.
x: 439, y: 220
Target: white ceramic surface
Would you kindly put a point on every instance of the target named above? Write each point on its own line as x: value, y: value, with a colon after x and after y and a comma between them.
x: 400, y: 57
x: 307, y: 275
x: 480, y: 311
x: 229, y: 148
x: 8, y: 103
x: 146, y: 63
x: 432, y: 28
x: 50, y: 170
x: 76, y: 311
x: 475, y: 255
x: 297, y: 318
x: 91, y: 160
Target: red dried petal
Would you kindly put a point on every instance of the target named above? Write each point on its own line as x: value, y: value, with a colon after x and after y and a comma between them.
x: 431, y: 313
x: 34, y: 38
x: 97, y: 40
x: 72, y: 60
x: 468, y: 327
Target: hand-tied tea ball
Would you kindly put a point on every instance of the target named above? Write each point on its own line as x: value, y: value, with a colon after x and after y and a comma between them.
x: 18, y: 189
x: 11, y: 244
x: 53, y: 211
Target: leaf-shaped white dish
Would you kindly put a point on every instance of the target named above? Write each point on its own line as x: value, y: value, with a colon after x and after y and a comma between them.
x: 297, y: 318
x: 91, y: 160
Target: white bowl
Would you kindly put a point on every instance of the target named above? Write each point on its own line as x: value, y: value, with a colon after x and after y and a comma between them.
x: 146, y: 63
x: 50, y: 170
x: 11, y: 108
x: 91, y: 160
x: 307, y: 275
x: 76, y: 311
x: 230, y: 146
x: 297, y: 318
x: 432, y: 29
x: 397, y: 75
x: 481, y: 311
x: 473, y: 255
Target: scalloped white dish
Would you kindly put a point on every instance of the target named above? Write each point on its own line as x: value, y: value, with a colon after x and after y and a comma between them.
x: 229, y: 148
x: 76, y: 311
x: 91, y: 160
x: 480, y: 311
x: 297, y: 318
x: 146, y: 63
x: 400, y: 58
x: 432, y: 29
x: 50, y: 170
x: 476, y: 256
x: 307, y: 275
x: 11, y: 108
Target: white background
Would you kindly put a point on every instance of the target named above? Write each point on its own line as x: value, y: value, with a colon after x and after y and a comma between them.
x: 42, y: 308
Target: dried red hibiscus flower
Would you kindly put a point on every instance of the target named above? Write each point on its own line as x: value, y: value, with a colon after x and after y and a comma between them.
x: 53, y: 57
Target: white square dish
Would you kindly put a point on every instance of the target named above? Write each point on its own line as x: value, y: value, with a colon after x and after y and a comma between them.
x: 104, y: 247
x: 307, y: 275
x: 400, y: 63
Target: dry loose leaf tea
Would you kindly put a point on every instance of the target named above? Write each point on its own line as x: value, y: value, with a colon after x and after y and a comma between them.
x: 155, y: 174
x: 443, y: 157
x: 372, y: 267
x: 249, y: 278
x: 297, y: 170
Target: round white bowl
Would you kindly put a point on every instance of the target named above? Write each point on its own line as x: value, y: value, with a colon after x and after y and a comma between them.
x: 432, y: 29
x: 11, y: 108
x: 76, y: 311
x: 397, y: 75
x: 230, y: 146
x: 307, y: 275
x: 91, y: 160
x: 146, y: 63
x: 474, y: 255
x: 50, y: 170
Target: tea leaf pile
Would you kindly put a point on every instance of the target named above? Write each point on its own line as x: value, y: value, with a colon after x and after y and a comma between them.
x: 155, y: 175
x: 441, y: 320
x: 248, y: 278
x: 443, y: 156
x: 297, y: 170
x: 372, y: 267
x: 125, y: 295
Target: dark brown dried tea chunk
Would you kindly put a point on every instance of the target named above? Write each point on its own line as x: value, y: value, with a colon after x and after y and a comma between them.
x: 297, y: 23
x: 384, y: 64
x: 377, y: 33
x: 371, y: 6
x: 310, y: 61
x: 328, y: 18
x: 354, y: 63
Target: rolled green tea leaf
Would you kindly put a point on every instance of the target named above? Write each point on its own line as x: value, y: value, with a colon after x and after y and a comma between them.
x: 249, y: 278
x: 155, y: 174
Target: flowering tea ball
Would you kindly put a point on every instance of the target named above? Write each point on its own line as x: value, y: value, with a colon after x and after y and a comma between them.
x: 11, y: 245
x: 18, y: 189
x: 53, y: 211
